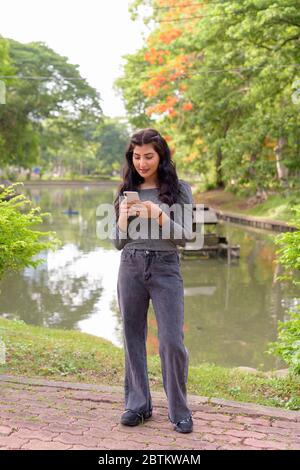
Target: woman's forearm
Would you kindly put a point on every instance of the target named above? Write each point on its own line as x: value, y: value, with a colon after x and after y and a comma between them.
x: 123, y: 223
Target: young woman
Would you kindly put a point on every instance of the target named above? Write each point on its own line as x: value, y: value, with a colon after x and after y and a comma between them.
x: 150, y: 269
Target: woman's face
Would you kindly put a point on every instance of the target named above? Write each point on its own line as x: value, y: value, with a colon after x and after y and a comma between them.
x: 145, y: 160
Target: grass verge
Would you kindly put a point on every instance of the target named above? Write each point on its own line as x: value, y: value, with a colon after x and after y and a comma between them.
x: 74, y: 356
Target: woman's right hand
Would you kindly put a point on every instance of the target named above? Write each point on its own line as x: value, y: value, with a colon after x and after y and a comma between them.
x: 125, y: 207
x: 125, y: 211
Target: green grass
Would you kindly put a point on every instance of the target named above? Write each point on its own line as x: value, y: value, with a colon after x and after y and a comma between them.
x: 33, y: 351
x: 276, y: 207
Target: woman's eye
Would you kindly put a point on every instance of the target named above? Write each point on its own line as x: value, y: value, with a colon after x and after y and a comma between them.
x: 138, y: 158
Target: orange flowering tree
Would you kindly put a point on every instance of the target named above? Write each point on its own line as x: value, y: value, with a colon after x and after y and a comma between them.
x: 217, y: 78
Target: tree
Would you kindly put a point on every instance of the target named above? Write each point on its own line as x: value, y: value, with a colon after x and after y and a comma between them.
x: 218, y: 81
x: 46, y: 87
x: 112, y: 136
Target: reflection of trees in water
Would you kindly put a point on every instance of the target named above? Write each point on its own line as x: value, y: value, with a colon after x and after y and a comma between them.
x: 230, y: 339
x: 114, y: 307
x: 78, y: 229
x: 38, y: 303
x: 234, y: 324
x: 152, y: 336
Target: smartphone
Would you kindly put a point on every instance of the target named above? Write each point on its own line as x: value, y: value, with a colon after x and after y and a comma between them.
x: 131, y: 195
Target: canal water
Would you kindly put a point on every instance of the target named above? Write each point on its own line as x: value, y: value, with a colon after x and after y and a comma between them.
x: 231, y: 310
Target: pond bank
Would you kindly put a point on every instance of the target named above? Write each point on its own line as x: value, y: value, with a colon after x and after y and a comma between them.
x: 274, y: 225
x: 44, y: 183
x: 274, y: 214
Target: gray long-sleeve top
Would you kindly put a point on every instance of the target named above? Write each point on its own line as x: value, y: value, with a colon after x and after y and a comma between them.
x: 177, y: 232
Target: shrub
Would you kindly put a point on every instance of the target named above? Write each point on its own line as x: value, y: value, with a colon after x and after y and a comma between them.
x: 288, y: 345
x: 19, y: 243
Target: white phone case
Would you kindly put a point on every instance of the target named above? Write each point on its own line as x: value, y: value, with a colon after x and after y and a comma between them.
x: 131, y: 195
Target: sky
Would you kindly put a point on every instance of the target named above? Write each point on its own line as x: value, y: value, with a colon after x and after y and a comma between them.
x: 94, y: 34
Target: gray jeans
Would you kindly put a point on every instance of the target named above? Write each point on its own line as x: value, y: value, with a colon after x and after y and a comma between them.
x: 145, y: 274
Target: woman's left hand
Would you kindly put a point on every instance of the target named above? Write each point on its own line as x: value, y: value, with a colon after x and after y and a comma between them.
x: 147, y: 209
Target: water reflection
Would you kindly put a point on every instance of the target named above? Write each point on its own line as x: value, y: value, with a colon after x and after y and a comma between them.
x: 231, y: 311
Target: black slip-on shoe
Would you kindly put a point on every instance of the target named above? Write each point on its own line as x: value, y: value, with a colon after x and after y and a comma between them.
x: 133, y: 418
x: 185, y: 425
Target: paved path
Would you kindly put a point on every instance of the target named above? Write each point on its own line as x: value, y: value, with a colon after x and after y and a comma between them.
x: 42, y: 414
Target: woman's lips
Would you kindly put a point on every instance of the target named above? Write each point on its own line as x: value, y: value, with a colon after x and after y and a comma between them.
x: 144, y: 171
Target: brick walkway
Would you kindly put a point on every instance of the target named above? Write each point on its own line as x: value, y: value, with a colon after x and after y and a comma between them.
x: 41, y: 414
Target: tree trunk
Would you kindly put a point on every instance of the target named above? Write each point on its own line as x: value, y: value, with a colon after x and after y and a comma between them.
x: 219, y: 179
x: 252, y: 171
x: 282, y: 171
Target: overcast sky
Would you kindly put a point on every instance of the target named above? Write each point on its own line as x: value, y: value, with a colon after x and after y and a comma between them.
x: 92, y: 33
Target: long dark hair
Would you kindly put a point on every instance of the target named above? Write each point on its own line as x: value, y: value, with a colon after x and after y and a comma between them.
x: 166, y: 171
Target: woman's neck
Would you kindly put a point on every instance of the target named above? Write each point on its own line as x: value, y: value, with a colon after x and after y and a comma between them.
x: 149, y: 184
x: 145, y: 186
